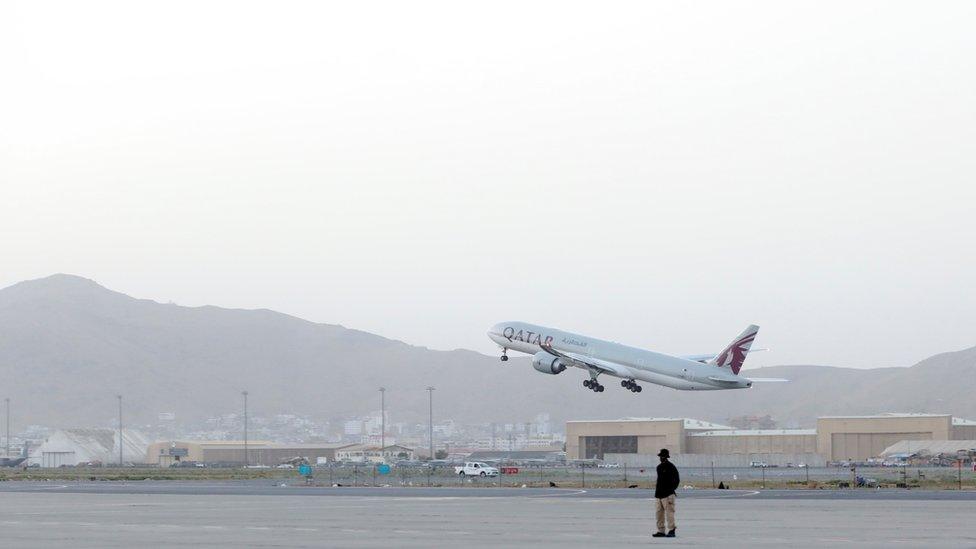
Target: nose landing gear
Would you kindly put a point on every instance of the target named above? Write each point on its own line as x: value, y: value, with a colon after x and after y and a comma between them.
x: 504, y: 355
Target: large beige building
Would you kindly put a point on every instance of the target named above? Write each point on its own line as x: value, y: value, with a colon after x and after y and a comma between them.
x: 963, y: 429
x: 841, y: 438
x: 762, y: 441
x: 232, y: 451
x: 593, y: 439
x: 836, y: 438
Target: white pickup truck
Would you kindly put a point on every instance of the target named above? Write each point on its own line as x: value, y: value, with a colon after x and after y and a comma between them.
x: 477, y: 469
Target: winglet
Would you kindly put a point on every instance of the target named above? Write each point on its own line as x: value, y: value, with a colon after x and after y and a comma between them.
x: 735, y: 354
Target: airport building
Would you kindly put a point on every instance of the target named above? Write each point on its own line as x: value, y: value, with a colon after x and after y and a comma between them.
x: 842, y: 438
x: 73, y: 447
x: 259, y: 452
x: 363, y: 453
x: 695, y: 443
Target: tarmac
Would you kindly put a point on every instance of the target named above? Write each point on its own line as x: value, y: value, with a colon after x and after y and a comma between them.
x: 261, y: 514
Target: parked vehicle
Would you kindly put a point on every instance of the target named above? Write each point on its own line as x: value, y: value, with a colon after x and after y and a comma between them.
x: 476, y: 468
x: 758, y: 464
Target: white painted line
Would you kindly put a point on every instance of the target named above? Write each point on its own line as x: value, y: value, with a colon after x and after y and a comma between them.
x: 573, y: 493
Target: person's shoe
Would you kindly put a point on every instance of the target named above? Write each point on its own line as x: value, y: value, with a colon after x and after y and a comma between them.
x: 659, y: 535
x: 670, y: 534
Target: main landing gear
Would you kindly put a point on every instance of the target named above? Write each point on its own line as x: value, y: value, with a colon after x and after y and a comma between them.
x: 593, y: 385
x: 630, y: 384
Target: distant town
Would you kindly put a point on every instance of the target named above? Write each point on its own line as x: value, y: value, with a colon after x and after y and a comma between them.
x: 53, y: 447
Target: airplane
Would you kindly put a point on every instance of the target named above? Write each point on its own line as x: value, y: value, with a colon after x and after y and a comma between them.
x: 555, y: 350
x: 14, y: 461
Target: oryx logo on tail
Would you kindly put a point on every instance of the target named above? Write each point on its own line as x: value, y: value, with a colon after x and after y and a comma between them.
x: 735, y: 354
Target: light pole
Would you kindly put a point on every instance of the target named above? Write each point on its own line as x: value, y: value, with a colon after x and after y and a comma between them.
x: 244, y: 394
x: 382, y: 420
x: 430, y: 419
x: 7, y: 401
x: 120, y: 428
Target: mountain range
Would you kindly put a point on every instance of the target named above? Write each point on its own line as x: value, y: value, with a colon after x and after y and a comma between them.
x: 69, y: 345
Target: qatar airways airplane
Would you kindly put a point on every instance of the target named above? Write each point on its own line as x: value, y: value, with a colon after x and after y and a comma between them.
x: 555, y: 350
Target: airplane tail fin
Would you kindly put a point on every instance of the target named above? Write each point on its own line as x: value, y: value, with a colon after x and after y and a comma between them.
x: 735, y: 354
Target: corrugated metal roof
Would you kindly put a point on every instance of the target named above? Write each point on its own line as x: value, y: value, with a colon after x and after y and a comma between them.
x: 514, y: 454
x: 100, y: 443
x: 962, y: 421
x: 699, y: 424
x: 256, y: 444
x: 689, y: 423
x: 886, y: 415
x: 94, y: 441
x: 755, y: 432
x: 627, y: 419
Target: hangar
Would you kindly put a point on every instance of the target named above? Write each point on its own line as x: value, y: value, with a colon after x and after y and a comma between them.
x: 71, y: 447
x: 700, y: 443
x: 843, y: 438
x: 232, y: 451
x: 645, y: 436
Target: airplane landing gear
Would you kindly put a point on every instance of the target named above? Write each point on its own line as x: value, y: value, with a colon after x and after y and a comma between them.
x: 504, y: 355
x: 593, y: 385
x: 632, y: 385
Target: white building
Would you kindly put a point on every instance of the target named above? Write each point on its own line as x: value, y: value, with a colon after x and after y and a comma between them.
x: 71, y: 447
x: 361, y: 453
x: 352, y: 427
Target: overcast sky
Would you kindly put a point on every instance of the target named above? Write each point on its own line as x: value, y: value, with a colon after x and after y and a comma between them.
x: 659, y: 174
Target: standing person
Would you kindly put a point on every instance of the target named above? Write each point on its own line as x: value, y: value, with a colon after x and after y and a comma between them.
x: 667, y: 483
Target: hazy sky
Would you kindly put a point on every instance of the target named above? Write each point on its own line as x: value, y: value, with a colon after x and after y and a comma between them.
x: 660, y: 174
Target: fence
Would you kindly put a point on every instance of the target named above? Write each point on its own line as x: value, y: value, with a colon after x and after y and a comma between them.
x: 626, y: 476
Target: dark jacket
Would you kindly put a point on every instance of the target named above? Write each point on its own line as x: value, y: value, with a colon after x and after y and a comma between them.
x: 667, y: 480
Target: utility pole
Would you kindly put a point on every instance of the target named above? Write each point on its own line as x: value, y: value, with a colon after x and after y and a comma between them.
x: 430, y: 419
x: 244, y: 394
x: 120, y: 429
x: 958, y: 466
x: 7, y: 401
x: 382, y: 421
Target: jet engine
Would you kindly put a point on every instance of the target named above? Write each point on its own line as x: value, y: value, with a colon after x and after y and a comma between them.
x: 547, y: 364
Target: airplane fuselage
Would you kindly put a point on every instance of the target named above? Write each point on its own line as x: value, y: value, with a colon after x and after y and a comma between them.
x: 637, y: 364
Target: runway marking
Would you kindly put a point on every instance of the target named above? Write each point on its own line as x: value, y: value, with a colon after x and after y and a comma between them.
x: 47, y: 487
x: 741, y: 494
x: 573, y: 493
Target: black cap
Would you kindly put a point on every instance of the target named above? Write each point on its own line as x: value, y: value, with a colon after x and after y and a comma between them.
x: 664, y: 453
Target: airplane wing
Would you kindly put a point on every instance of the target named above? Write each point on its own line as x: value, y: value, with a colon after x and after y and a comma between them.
x: 705, y: 358
x: 590, y: 363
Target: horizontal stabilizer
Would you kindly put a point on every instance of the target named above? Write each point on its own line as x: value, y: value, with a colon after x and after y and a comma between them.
x: 724, y: 381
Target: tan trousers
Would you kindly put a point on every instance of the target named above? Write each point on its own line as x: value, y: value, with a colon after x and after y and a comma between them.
x: 665, y: 508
